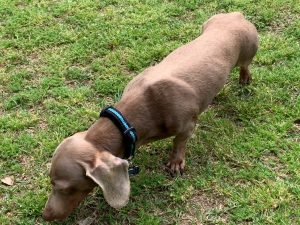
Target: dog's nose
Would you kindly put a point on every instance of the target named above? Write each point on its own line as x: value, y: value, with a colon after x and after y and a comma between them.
x: 48, y: 214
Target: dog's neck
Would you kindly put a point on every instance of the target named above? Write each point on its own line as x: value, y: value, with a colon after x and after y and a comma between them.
x: 106, y: 136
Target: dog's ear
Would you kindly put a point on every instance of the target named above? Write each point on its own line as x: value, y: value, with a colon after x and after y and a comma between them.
x: 111, y: 174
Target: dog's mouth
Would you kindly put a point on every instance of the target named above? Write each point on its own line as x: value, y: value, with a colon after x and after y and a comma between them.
x: 50, y: 215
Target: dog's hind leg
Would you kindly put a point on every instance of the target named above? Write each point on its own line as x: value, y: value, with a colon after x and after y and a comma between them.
x: 245, y: 76
x: 246, y: 58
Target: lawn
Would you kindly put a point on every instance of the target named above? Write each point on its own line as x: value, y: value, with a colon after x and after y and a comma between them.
x: 62, y: 61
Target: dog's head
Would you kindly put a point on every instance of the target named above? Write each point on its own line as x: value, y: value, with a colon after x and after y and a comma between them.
x: 76, y: 168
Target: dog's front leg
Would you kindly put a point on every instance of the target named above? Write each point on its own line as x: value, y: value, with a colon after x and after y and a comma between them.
x: 177, y: 156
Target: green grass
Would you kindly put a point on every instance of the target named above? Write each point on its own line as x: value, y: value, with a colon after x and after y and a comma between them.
x: 62, y: 61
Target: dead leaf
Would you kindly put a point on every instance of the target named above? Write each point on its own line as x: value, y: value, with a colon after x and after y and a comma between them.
x: 8, y: 181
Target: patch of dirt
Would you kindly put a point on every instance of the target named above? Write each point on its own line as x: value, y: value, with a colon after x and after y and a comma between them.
x: 297, y: 126
x: 294, y: 132
x: 285, y: 20
x: 274, y: 164
x: 108, y: 100
x: 40, y: 125
x: 26, y: 161
x: 24, y: 178
x: 205, y: 208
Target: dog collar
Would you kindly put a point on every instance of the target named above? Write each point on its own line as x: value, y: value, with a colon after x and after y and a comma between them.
x: 128, y: 132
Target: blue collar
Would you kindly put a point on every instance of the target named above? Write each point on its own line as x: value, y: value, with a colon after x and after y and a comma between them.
x: 128, y: 132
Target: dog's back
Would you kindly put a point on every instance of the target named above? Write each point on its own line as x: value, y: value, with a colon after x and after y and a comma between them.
x: 227, y: 40
x: 203, y: 65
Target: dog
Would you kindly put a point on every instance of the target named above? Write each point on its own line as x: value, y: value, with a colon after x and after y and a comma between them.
x: 162, y: 101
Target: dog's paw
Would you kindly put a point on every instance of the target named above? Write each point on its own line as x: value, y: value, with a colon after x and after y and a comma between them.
x: 245, y: 76
x: 176, y: 167
x: 245, y: 80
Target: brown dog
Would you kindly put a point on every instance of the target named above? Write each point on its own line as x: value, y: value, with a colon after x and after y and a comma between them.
x: 162, y: 101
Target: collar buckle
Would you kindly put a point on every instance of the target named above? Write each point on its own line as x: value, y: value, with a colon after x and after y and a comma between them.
x: 133, y: 169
